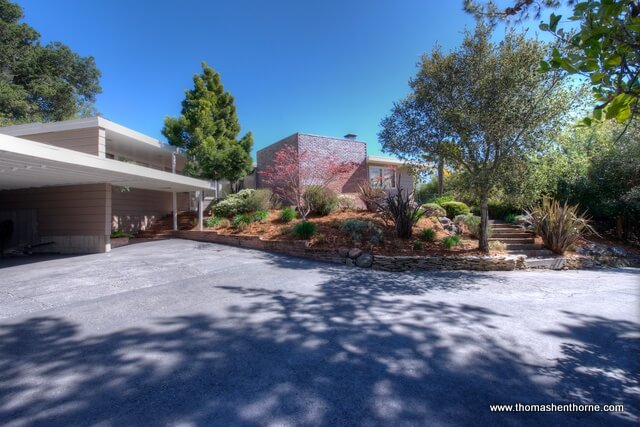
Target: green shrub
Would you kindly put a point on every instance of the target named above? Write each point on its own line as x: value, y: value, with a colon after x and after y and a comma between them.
x: 433, y: 209
x: 304, y: 230
x: 417, y: 245
x: 357, y: 229
x: 511, y: 218
x: 560, y: 225
x: 261, y: 199
x: 475, y: 210
x: 233, y: 204
x: 441, y: 200
x: 501, y: 210
x: 287, y: 214
x: 241, y: 221
x: 320, y: 199
x: 451, y: 241
x: 120, y: 233
x: 428, y: 235
x: 455, y: 208
x: 260, y: 216
x: 212, y: 221
x: 346, y: 202
x: 224, y: 223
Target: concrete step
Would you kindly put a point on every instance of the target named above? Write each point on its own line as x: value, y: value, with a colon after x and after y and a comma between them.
x: 534, y: 253
x: 545, y: 262
x: 524, y: 246
x: 511, y: 235
x: 513, y: 240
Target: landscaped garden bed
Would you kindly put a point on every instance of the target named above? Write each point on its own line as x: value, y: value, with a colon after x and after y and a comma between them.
x: 330, y: 234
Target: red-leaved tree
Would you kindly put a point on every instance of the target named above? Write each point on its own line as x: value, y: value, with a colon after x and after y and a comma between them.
x: 292, y: 171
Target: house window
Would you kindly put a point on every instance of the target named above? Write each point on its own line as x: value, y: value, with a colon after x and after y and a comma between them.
x: 382, y: 177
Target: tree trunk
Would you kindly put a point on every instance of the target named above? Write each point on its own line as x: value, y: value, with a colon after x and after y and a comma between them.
x: 484, y: 225
x: 619, y: 227
x: 440, y: 177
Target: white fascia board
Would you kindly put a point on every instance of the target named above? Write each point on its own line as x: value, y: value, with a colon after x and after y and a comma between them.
x: 37, y: 128
x: 84, y: 123
x: 38, y: 150
x: 384, y: 160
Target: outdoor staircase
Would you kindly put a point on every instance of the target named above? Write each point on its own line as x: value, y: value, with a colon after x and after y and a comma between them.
x: 161, y: 228
x: 518, y: 241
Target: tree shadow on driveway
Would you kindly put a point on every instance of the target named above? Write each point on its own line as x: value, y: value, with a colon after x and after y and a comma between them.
x: 354, y: 353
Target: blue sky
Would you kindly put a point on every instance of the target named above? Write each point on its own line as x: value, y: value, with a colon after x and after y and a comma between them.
x: 324, y: 67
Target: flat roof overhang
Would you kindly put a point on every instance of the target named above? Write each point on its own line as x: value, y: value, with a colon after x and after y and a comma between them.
x: 29, y: 164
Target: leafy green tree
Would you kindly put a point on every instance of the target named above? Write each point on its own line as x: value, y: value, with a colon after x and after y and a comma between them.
x: 41, y: 83
x: 481, y: 107
x: 610, y: 187
x: 605, y: 48
x: 208, y: 130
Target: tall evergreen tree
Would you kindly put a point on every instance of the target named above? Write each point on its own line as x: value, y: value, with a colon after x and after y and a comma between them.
x: 208, y: 130
x: 41, y: 83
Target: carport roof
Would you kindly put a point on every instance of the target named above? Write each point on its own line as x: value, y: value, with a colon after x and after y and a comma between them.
x: 28, y: 164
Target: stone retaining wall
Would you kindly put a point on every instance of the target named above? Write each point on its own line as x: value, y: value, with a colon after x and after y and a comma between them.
x: 356, y: 258
x: 299, y: 248
x: 478, y: 263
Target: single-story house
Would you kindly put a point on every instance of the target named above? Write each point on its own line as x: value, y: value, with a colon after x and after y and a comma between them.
x: 382, y: 172
x: 73, y: 182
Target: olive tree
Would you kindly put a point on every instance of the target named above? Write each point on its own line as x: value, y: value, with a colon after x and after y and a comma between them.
x: 481, y: 107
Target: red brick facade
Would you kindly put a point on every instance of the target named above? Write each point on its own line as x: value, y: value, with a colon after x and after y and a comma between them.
x: 323, y: 150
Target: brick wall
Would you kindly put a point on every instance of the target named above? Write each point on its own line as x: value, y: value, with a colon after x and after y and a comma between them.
x: 264, y: 157
x: 322, y: 149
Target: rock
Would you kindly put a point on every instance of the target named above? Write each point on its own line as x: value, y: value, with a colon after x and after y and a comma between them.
x: 364, y: 260
x: 343, y: 252
x: 355, y: 253
x: 617, y: 251
x: 444, y: 220
x: 349, y: 262
x: 451, y: 229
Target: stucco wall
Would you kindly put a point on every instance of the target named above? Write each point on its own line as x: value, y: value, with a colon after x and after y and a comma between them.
x: 134, y: 209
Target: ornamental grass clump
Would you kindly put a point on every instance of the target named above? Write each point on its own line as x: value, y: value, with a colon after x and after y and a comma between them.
x: 212, y: 221
x: 559, y: 225
x: 260, y: 216
x: 287, y: 214
x: 451, y: 241
x: 428, y: 235
x: 304, y: 230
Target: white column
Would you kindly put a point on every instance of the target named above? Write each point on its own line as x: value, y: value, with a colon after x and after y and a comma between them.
x: 175, y: 211
x: 200, y: 210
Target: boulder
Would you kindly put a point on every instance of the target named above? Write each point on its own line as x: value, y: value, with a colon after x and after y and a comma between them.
x: 349, y: 262
x: 364, y: 260
x: 343, y: 252
x: 618, y: 251
x: 355, y: 253
x: 444, y: 220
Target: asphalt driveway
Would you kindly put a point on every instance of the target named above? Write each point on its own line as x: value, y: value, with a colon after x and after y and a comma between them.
x: 185, y: 333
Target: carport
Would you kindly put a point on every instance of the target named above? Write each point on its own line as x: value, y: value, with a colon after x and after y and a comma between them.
x: 74, y: 190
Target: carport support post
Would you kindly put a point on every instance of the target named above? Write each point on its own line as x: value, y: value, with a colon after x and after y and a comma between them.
x: 200, y: 210
x: 175, y: 212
